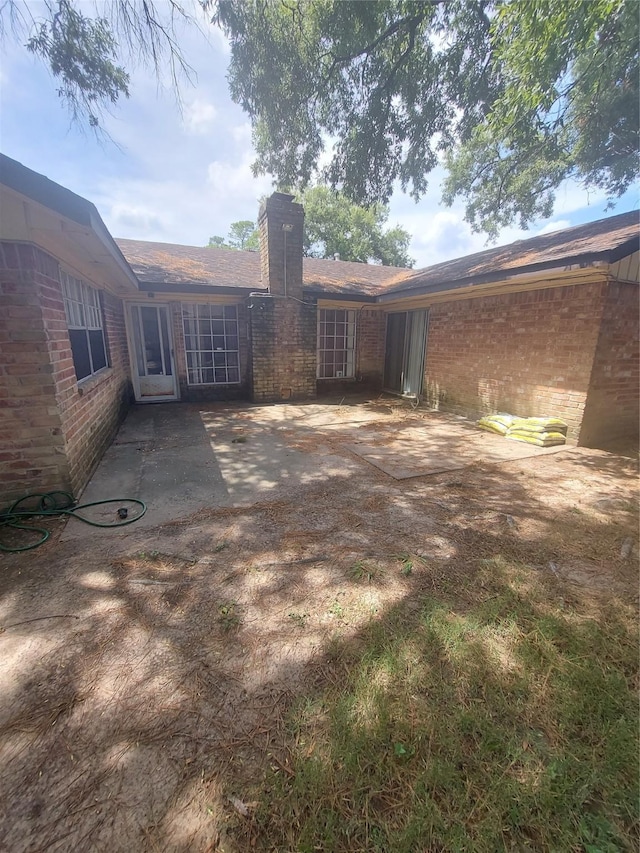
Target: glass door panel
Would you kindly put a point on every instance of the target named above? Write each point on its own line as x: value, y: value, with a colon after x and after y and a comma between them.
x: 154, y: 377
x: 394, y: 352
x: 405, y: 351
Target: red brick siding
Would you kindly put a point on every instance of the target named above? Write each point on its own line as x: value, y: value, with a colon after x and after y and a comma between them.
x: 92, y: 409
x: 284, y: 349
x: 370, y: 342
x: 613, y: 400
x: 526, y: 353
x: 198, y: 393
x: 32, y: 457
x: 54, y: 429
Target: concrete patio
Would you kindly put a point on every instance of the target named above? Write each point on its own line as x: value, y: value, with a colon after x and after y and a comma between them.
x: 183, y: 458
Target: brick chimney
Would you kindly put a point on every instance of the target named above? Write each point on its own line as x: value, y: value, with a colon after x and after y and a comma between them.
x: 283, y: 323
x: 280, y: 224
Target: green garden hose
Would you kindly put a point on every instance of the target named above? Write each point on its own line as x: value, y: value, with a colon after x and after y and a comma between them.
x: 53, y: 504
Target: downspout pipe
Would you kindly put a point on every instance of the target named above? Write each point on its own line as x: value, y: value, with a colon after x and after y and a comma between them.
x: 287, y: 228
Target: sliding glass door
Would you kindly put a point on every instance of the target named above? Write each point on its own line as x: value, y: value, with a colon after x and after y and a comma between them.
x: 405, y: 351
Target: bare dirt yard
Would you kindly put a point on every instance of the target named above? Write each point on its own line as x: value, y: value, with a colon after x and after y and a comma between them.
x: 348, y: 662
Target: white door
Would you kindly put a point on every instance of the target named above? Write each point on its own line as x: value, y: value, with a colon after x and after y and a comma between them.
x: 153, y: 373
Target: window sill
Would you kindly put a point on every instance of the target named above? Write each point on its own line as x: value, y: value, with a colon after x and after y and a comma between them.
x: 211, y: 384
x: 90, y: 382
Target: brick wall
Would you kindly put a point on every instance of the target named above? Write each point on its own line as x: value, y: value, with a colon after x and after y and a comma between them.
x: 283, y: 327
x: 525, y: 353
x: 370, y: 341
x: 32, y: 453
x: 283, y: 345
x: 91, y: 410
x: 64, y: 426
x: 275, y: 212
x: 204, y: 393
x: 613, y: 401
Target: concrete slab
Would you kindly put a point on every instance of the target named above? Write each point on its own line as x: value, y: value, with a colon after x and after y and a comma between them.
x: 442, y: 444
x: 182, y: 458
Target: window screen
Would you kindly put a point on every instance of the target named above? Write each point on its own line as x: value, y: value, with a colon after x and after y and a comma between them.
x: 336, y: 344
x: 84, y: 321
x: 211, y: 344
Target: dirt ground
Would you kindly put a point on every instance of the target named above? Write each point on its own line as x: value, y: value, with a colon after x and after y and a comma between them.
x: 147, y: 673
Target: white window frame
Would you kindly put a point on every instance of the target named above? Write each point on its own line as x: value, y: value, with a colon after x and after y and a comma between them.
x: 336, y: 335
x: 195, y: 319
x: 84, y: 313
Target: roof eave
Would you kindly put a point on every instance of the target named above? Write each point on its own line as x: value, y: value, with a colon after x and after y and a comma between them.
x: 340, y: 296
x: 102, y: 233
x: 191, y: 288
x: 583, y: 260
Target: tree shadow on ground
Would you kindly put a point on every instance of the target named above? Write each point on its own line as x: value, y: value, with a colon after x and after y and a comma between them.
x: 354, y: 665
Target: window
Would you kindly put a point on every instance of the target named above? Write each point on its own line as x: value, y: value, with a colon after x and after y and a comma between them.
x: 84, y: 321
x: 211, y: 344
x: 336, y: 344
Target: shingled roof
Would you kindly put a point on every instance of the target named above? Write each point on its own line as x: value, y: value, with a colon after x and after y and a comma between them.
x: 323, y: 276
x: 604, y: 240
x: 174, y: 266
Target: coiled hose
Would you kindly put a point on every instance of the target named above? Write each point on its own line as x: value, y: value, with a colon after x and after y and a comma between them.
x: 53, y: 504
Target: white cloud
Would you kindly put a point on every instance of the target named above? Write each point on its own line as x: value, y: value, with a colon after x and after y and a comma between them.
x: 570, y: 197
x: 439, y: 233
x: 199, y: 116
x: 444, y: 235
x: 241, y: 133
x: 135, y: 219
x: 234, y: 184
x: 555, y: 225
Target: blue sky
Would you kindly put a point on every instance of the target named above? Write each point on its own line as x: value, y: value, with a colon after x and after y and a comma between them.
x: 181, y: 174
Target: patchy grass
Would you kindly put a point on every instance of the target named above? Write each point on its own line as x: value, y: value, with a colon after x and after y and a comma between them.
x: 504, y: 718
x: 228, y: 615
x: 298, y: 619
x: 407, y: 564
x: 367, y: 571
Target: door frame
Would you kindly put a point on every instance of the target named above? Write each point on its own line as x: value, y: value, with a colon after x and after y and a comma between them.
x: 133, y: 361
x: 405, y: 352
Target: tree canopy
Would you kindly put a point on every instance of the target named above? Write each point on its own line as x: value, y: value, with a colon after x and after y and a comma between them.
x: 569, y: 107
x: 87, y: 52
x: 513, y: 97
x: 242, y: 235
x: 333, y: 225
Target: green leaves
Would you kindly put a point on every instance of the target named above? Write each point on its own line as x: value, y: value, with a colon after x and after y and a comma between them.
x: 365, y: 78
x: 243, y: 235
x: 569, y: 108
x: 513, y: 96
x: 334, y: 226
x: 87, y: 54
x: 81, y: 53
